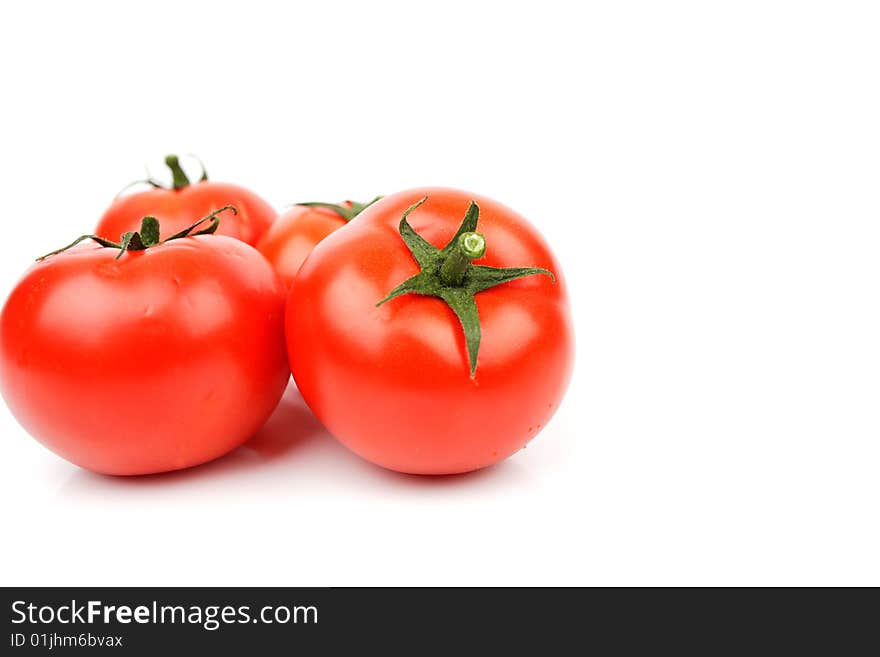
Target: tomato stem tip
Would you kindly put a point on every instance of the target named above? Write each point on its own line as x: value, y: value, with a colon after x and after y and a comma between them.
x: 180, y: 179
x: 469, y: 246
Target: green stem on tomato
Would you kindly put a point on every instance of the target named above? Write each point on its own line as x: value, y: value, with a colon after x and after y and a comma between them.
x: 468, y: 247
x: 148, y: 235
x: 449, y: 273
x: 180, y: 179
x: 346, y: 213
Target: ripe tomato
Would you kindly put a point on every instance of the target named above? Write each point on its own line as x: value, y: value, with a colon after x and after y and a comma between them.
x: 296, y: 232
x: 140, y: 361
x: 458, y: 366
x: 178, y: 207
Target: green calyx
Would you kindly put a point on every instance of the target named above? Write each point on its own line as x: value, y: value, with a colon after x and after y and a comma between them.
x: 346, y: 213
x: 148, y: 235
x: 179, y: 179
x: 450, y: 275
x: 178, y: 176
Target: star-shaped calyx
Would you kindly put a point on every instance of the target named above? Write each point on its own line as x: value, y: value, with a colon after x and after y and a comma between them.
x: 449, y: 273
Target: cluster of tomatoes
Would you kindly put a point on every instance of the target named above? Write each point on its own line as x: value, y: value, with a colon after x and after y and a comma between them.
x: 429, y: 330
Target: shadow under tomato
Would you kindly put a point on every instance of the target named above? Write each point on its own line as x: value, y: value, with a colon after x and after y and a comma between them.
x: 288, y: 428
x: 506, y: 469
x: 290, y: 454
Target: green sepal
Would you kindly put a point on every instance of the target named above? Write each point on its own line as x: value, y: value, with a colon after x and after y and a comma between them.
x: 204, y: 176
x: 148, y: 235
x: 448, y: 274
x: 130, y: 241
x: 421, y: 249
x: 468, y: 225
x: 464, y: 306
x: 418, y: 284
x: 214, y: 223
x: 82, y: 238
x: 346, y: 213
x: 481, y: 277
x: 178, y: 176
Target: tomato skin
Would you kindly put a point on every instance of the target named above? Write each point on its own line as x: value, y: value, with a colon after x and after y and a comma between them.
x: 163, y: 359
x: 392, y: 382
x: 178, y: 208
x: 294, y: 234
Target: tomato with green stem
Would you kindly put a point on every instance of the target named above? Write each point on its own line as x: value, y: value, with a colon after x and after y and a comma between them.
x: 178, y: 206
x: 433, y: 334
x: 145, y: 355
x: 296, y: 232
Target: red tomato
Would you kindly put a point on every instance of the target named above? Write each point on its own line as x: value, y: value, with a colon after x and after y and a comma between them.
x: 161, y: 359
x: 185, y: 203
x: 400, y: 383
x: 296, y: 232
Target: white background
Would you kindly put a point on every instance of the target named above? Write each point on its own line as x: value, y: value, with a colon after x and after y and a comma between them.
x: 708, y: 174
